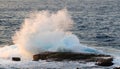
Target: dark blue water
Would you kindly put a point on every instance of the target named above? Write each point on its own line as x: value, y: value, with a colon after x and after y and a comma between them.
x: 97, y: 22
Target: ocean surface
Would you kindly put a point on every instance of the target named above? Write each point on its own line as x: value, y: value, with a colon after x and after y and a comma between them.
x: 96, y: 22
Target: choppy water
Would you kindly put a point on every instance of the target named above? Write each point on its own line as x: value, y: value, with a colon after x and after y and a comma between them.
x: 97, y: 22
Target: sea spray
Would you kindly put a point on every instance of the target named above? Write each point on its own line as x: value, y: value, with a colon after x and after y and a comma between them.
x: 43, y: 31
x: 7, y: 52
x: 47, y: 31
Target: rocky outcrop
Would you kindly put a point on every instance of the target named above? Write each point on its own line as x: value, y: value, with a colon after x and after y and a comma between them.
x: 101, y: 59
x: 16, y: 59
x: 104, y: 61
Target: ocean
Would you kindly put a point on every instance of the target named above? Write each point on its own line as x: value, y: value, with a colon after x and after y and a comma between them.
x: 96, y: 22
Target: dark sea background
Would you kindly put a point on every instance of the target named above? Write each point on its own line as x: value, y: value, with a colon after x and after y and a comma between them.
x: 96, y: 22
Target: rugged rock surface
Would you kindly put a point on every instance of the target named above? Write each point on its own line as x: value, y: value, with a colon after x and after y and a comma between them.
x: 16, y: 59
x: 101, y: 59
x: 104, y: 61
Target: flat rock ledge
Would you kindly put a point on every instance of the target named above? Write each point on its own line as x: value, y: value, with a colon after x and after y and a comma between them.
x: 100, y: 59
x: 16, y: 59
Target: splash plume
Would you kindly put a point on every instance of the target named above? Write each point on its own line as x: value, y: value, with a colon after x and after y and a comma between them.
x: 43, y: 31
x: 46, y: 31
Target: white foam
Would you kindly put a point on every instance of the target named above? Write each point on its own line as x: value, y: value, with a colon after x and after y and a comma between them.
x: 7, y: 64
x: 9, y: 51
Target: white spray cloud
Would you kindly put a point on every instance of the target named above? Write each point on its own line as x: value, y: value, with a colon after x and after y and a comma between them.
x: 46, y: 31
x: 42, y: 31
x: 9, y: 51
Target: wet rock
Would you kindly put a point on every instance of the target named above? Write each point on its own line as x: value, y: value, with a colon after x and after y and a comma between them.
x: 16, y: 59
x: 104, y: 61
x: 78, y: 68
x: 68, y: 56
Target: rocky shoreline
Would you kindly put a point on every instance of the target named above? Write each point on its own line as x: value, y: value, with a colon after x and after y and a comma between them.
x: 99, y: 59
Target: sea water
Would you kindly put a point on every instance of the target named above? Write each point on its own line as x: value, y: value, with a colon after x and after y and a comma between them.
x: 95, y: 22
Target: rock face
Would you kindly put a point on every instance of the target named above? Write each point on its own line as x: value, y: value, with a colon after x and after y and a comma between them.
x: 16, y: 59
x: 105, y: 61
x: 102, y: 60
